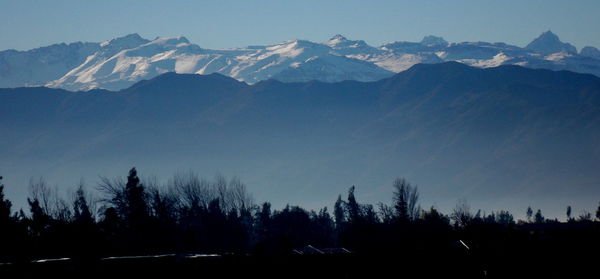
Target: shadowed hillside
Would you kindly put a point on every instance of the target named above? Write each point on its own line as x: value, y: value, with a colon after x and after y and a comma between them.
x: 498, y: 137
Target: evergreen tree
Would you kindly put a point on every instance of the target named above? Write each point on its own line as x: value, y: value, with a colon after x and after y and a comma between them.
x: 353, y: 207
x: 405, y: 199
x: 569, y: 213
x: 400, y: 200
x: 5, y: 206
x: 81, y: 209
x: 136, y: 209
x: 338, y: 212
x: 598, y: 212
x: 529, y: 214
x: 539, y: 218
x: 39, y: 220
x: 505, y: 218
x: 263, y: 221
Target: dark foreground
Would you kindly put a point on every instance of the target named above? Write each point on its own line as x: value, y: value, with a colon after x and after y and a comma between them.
x: 452, y: 263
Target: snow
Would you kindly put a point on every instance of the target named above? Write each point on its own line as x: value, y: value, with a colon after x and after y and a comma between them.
x: 122, y: 61
x: 497, y: 60
x: 557, y: 56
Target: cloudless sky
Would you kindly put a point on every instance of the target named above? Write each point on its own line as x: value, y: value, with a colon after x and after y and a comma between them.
x: 26, y: 24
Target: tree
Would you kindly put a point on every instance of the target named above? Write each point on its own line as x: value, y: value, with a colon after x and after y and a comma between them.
x: 433, y: 216
x: 5, y: 206
x: 81, y: 210
x: 405, y: 200
x: 461, y: 215
x: 136, y: 209
x: 263, y: 221
x: 569, y: 213
x: 338, y: 212
x: 39, y: 220
x: 529, y: 214
x: 505, y: 218
x: 539, y: 218
x: 585, y: 216
x: 353, y: 207
x: 400, y: 201
x: 598, y: 212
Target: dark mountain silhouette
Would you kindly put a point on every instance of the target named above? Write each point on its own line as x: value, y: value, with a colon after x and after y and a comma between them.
x: 499, y: 137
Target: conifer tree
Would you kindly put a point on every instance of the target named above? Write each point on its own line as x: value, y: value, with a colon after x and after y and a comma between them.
x: 5, y: 206
x: 353, y: 206
x: 529, y: 214
x: 338, y: 212
x: 539, y: 218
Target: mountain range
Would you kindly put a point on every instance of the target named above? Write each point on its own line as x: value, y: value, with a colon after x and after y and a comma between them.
x: 119, y: 63
x: 501, y: 137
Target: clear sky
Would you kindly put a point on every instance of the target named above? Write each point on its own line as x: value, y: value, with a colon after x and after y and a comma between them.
x: 26, y: 24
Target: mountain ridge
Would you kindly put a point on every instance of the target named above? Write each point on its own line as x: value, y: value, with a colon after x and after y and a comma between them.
x: 118, y: 63
x: 499, y: 136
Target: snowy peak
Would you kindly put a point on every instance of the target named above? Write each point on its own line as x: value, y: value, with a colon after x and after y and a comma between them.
x: 336, y: 40
x: 128, y: 41
x: 118, y: 63
x: 294, y: 48
x: 549, y: 43
x: 170, y: 41
x: 344, y: 46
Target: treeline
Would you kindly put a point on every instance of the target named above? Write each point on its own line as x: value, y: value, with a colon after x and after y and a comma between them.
x: 194, y: 215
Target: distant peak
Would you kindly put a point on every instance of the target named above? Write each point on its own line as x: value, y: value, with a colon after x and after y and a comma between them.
x: 431, y: 40
x: 135, y: 36
x: 590, y: 51
x: 130, y: 40
x: 548, y: 43
x: 170, y: 41
x: 336, y: 39
x: 549, y: 35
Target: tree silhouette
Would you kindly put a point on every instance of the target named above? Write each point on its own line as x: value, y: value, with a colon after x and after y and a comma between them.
x: 5, y: 206
x: 539, y: 218
x: 81, y: 209
x: 135, y: 209
x: 461, y: 214
x: 529, y: 214
x: 569, y: 213
x: 405, y: 200
x: 339, y: 213
x: 354, y: 214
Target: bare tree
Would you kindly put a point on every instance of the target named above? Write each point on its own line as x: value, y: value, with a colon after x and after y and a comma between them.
x: 386, y: 213
x: 194, y: 192
x: 220, y: 186
x: 113, y: 190
x: 40, y: 191
x: 461, y: 214
x: 240, y: 198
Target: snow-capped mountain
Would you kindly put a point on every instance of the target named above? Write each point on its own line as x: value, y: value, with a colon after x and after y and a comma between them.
x: 118, y: 63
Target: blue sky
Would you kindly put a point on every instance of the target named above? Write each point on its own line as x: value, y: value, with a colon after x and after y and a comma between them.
x: 26, y: 24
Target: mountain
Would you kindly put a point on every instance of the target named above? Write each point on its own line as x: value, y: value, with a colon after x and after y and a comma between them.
x: 591, y: 52
x: 549, y: 43
x: 502, y: 137
x: 119, y: 63
x: 41, y: 65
